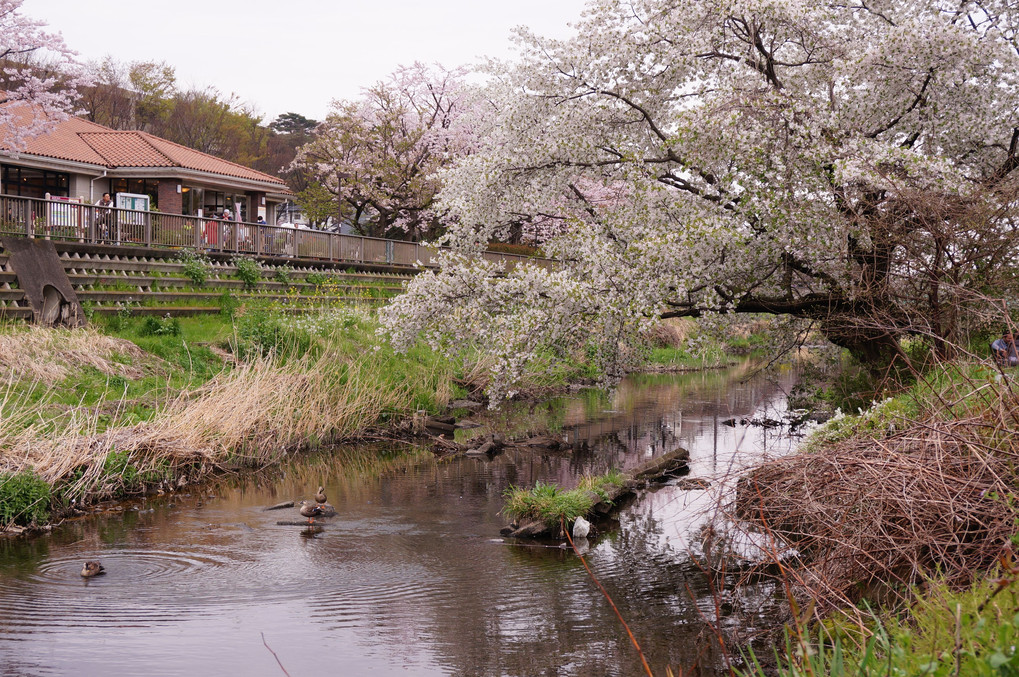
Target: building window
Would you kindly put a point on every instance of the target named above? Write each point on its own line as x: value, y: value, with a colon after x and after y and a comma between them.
x: 29, y: 182
x: 191, y: 200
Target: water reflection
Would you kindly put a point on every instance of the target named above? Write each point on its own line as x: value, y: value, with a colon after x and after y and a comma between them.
x: 411, y: 576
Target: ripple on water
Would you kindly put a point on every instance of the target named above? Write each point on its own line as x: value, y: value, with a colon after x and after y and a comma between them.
x: 143, y: 588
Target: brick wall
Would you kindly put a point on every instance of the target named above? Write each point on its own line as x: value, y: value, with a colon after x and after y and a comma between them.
x: 169, y: 199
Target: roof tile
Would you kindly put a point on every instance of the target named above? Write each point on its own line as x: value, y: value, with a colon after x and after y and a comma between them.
x: 79, y: 140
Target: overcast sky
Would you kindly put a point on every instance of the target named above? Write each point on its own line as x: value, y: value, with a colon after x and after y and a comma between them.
x: 297, y: 55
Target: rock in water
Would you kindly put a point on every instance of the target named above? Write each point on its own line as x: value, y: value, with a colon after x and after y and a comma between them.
x: 581, y: 528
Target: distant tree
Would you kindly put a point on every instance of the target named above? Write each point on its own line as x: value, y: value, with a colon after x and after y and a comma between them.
x: 36, y: 67
x: 208, y: 121
x: 380, y: 155
x: 288, y: 132
x: 109, y: 99
x: 317, y: 202
x: 292, y: 123
x: 156, y: 87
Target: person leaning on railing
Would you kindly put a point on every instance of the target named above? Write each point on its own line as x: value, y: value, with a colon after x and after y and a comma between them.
x: 104, y: 216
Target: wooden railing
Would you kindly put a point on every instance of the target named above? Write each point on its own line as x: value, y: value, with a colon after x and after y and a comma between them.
x: 79, y: 222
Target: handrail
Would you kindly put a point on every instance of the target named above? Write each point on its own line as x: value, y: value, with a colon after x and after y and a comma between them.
x: 62, y: 219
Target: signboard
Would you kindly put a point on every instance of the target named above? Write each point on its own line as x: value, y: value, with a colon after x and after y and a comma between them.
x: 63, y: 215
x: 133, y: 201
x: 131, y: 226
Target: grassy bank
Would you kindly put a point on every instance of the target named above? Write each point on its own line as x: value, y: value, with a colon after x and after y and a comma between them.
x: 135, y: 404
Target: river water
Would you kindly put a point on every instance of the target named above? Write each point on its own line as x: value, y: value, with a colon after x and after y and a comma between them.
x: 411, y: 577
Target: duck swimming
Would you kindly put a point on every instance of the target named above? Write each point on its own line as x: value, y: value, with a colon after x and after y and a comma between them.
x: 90, y: 569
x: 320, y: 496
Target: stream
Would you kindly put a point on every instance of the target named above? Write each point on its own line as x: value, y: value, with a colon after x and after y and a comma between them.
x: 411, y: 577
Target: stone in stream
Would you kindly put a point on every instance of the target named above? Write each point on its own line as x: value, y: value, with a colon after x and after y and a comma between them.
x: 280, y: 506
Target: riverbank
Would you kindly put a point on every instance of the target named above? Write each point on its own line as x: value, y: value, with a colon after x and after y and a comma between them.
x: 903, y: 519
x: 140, y: 404
x: 152, y: 404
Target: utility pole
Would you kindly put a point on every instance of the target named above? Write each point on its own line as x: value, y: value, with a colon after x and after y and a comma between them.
x: 340, y: 176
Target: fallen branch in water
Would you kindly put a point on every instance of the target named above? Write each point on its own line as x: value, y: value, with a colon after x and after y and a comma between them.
x: 278, y: 662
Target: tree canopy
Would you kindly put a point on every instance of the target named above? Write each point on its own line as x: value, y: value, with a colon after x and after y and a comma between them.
x: 37, y: 68
x: 380, y: 154
x: 853, y: 164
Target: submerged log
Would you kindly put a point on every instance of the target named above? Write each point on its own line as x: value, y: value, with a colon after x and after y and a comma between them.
x: 492, y: 445
x: 280, y: 506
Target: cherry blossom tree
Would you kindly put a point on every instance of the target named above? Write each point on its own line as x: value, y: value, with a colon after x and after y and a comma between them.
x: 381, y: 153
x: 36, y: 68
x: 849, y: 163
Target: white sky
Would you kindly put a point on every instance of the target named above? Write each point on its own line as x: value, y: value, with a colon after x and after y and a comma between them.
x: 299, y: 55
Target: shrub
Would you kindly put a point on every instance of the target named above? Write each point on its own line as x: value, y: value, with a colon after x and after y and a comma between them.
x: 118, y: 468
x: 316, y: 278
x: 249, y: 271
x: 24, y: 499
x: 118, y: 320
x: 196, y: 266
x: 264, y: 332
x: 282, y: 274
x: 160, y: 326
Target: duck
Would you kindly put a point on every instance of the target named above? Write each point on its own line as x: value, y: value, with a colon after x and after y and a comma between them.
x: 311, y: 511
x: 90, y: 569
x: 320, y: 496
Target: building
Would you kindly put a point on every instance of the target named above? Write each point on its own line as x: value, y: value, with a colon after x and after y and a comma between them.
x: 78, y: 159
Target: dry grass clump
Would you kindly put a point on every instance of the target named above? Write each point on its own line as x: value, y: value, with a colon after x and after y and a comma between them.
x: 866, y: 514
x: 671, y: 332
x: 48, y: 355
x: 255, y: 414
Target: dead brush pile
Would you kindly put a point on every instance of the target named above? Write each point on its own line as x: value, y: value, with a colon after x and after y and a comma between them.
x: 934, y: 500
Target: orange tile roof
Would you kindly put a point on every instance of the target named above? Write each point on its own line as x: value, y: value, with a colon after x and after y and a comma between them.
x: 183, y: 156
x: 125, y: 149
x: 79, y: 140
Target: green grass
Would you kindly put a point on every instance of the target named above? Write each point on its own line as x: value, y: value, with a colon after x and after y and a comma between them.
x: 553, y: 505
x: 946, y: 634
x: 947, y: 391
x: 24, y: 499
